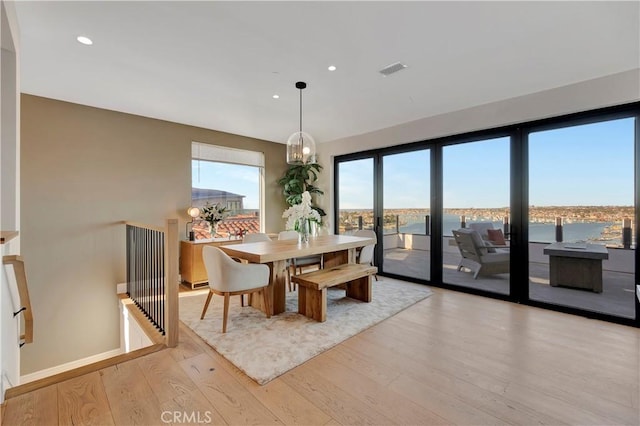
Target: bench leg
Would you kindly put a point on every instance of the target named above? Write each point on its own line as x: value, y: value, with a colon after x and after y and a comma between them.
x: 312, y: 303
x: 360, y: 289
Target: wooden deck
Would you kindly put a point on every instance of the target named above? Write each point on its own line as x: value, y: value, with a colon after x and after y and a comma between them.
x: 452, y: 358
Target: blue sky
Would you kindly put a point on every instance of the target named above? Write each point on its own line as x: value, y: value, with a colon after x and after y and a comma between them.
x: 243, y: 180
x: 581, y: 165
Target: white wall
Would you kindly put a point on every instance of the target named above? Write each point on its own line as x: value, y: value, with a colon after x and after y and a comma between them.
x: 606, y: 91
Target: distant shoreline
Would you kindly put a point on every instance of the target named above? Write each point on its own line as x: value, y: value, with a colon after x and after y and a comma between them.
x: 602, y: 224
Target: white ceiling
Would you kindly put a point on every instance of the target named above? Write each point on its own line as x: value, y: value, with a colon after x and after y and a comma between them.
x: 217, y: 64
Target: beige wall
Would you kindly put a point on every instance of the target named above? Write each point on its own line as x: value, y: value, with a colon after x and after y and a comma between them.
x: 606, y: 91
x: 84, y: 170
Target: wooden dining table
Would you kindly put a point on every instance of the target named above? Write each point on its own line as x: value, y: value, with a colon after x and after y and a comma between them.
x: 336, y: 250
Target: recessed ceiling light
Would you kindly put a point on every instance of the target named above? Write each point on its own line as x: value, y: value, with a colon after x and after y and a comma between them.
x: 276, y: 96
x: 332, y: 68
x: 84, y: 40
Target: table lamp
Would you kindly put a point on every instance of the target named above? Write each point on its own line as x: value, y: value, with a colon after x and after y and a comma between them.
x: 193, y: 212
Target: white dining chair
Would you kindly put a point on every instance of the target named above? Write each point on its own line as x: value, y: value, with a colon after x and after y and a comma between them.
x: 295, y: 265
x: 365, y: 255
x: 256, y: 237
x: 230, y: 278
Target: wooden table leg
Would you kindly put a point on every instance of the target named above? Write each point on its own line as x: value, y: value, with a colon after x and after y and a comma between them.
x: 337, y: 258
x: 275, y: 290
x: 279, y: 282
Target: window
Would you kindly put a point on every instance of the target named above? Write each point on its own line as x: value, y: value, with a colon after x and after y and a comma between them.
x: 232, y: 178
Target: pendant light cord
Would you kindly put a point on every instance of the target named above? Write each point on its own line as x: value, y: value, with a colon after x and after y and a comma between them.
x: 300, y: 110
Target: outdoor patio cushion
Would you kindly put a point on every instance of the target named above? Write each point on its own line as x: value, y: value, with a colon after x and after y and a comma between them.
x: 496, y: 236
x: 481, y: 228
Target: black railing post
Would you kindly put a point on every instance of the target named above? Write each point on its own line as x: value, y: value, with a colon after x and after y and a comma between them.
x: 558, y: 229
x: 427, y: 228
x: 626, y: 233
x: 506, y: 230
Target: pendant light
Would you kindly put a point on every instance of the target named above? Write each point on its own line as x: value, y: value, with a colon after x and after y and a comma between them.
x: 301, y: 148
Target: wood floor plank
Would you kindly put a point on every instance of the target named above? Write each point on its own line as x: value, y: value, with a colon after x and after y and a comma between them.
x: 330, y: 398
x: 230, y: 398
x: 187, y: 346
x: 480, y: 391
x: 192, y: 409
x: 545, y: 377
x: 566, y: 360
x: 175, y: 390
x: 166, y: 379
x: 33, y: 408
x: 461, y: 357
x: 377, y: 396
x: 364, y: 363
x: 83, y: 401
x: 286, y: 404
x: 130, y: 396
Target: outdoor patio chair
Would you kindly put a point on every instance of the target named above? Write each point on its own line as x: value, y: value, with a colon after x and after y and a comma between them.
x: 479, y: 257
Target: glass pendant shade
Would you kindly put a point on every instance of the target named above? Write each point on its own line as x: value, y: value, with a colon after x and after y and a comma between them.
x: 301, y: 149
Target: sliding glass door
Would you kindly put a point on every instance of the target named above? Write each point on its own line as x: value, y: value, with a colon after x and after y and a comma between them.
x: 476, y: 194
x: 582, y: 216
x: 355, y: 195
x: 406, y: 214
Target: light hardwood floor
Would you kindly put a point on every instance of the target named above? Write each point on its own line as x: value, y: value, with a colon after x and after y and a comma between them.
x: 453, y: 358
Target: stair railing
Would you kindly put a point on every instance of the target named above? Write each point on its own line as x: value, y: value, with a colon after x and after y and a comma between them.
x: 152, y: 274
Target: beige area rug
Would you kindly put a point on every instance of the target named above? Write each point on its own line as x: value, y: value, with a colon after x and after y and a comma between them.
x: 266, y: 348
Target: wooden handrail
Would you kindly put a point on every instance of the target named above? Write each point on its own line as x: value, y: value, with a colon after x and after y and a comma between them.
x: 172, y: 283
x: 6, y: 236
x: 144, y: 226
x: 23, y: 291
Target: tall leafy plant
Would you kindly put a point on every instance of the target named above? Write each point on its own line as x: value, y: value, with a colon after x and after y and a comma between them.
x: 299, y: 178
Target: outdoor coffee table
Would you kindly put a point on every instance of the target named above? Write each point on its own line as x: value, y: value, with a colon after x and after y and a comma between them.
x: 576, y: 265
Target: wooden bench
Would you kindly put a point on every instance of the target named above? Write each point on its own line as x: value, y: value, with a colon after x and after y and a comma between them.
x: 312, y: 287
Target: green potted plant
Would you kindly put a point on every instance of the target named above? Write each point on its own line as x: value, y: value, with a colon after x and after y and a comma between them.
x: 298, y: 179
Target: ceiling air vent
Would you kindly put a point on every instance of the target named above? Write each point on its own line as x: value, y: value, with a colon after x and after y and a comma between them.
x: 391, y: 68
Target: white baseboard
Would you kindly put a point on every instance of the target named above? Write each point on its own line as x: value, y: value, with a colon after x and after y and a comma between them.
x: 121, y: 288
x: 47, y: 372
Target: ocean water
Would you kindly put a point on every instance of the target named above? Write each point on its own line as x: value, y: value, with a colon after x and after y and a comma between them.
x: 538, y: 232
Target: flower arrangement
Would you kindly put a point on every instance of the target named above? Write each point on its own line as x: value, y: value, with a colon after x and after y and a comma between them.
x: 213, y: 213
x: 298, y: 213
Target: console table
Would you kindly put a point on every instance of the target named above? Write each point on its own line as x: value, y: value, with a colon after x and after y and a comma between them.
x: 192, y: 269
x: 577, y: 266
